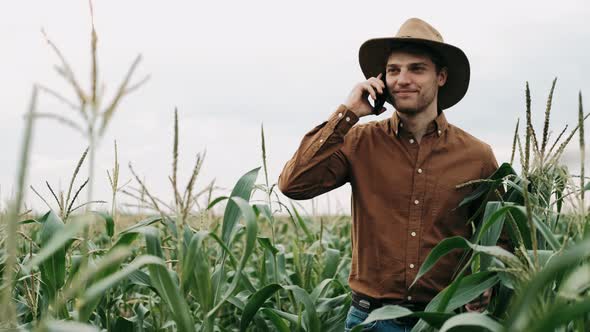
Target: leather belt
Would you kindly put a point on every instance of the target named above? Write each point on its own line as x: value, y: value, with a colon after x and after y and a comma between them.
x: 367, y: 304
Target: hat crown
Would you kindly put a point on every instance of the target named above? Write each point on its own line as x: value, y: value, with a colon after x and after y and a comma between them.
x: 417, y: 28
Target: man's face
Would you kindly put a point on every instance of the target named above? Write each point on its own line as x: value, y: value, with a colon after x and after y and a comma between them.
x: 412, y: 82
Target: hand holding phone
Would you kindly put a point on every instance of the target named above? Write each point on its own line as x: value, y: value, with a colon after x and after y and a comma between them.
x: 381, y: 97
x: 373, y: 88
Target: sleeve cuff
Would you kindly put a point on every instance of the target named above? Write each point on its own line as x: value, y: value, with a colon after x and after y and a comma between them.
x: 344, y: 118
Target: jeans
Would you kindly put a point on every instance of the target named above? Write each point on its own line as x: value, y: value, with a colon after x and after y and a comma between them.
x: 356, y: 316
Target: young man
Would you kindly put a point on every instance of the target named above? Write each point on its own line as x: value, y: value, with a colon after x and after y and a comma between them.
x: 403, y: 170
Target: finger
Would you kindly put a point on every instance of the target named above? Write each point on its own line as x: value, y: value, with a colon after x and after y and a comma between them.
x: 379, y: 83
x: 370, y: 89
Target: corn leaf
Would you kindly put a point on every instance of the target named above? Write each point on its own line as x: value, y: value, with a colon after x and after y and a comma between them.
x: 458, y: 242
x: 163, y: 282
x: 255, y: 302
x: 470, y: 321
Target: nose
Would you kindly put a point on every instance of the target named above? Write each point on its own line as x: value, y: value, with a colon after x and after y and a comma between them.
x: 403, y: 78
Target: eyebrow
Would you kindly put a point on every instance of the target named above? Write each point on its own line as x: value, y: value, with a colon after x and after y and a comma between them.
x: 415, y: 64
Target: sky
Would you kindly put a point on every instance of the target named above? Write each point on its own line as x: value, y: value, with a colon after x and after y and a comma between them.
x: 230, y: 67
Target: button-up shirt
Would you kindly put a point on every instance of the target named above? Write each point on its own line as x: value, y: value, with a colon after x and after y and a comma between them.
x: 404, y: 196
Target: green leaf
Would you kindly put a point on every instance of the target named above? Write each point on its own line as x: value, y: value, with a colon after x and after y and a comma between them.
x: 576, y: 282
x: 95, y: 292
x: 53, y: 268
x: 275, y: 319
x: 519, y: 215
x: 329, y: 304
x: 28, y: 221
x: 109, y: 222
x: 142, y: 279
x: 251, y: 232
x: 145, y: 222
x: 490, y: 236
x: 457, y: 242
x: 387, y: 312
x: 395, y: 311
x: 242, y: 189
x: 469, y: 288
x: 265, y: 242
x: 196, y: 271
x: 302, y: 224
x: 547, y: 234
x: 520, y: 316
x: 560, y: 314
x: 321, y: 288
x: 293, y: 319
x: 311, y: 318
x: 467, y: 322
x: 215, y: 201
x: 484, y: 187
x: 255, y: 302
x: 331, y: 259
x: 264, y: 210
x: 163, y: 282
x: 233, y: 260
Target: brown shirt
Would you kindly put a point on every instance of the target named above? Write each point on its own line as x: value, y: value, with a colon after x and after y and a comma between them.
x: 404, y: 195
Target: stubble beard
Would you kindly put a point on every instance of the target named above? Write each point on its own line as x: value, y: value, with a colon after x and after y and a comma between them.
x: 421, y: 103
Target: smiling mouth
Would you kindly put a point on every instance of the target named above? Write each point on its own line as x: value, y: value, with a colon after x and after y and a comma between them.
x: 404, y: 93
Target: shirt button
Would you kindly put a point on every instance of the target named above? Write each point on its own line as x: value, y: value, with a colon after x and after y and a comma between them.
x: 411, y: 140
x: 411, y: 266
x: 339, y: 115
x: 347, y: 119
x: 439, y: 132
x: 420, y: 170
x: 413, y: 233
x: 321, y: 140
x: 409, y: 298
x: 416, y: 202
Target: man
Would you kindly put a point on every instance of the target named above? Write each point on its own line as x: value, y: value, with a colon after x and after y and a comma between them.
x: 403, y: 170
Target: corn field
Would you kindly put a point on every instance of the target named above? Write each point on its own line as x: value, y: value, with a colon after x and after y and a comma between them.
x: 265, y: 265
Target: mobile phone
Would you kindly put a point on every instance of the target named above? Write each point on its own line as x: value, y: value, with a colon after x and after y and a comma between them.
x: 381, y: 97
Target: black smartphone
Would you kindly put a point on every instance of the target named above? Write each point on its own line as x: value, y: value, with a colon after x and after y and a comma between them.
x: 381, y: 97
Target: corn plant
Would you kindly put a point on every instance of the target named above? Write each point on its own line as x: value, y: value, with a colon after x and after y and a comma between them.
x: 542, y: 283
x: 95, y: 113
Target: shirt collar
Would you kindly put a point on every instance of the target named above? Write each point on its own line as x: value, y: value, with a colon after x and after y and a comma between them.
x: 439, y: 124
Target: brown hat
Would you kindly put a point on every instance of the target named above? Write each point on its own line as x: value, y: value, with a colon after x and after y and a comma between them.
x: 373, y: 56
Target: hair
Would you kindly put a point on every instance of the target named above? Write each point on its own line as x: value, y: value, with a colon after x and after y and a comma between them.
x: 419, y: 49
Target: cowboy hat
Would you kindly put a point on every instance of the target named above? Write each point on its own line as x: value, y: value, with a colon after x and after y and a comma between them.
x: 374, y: 52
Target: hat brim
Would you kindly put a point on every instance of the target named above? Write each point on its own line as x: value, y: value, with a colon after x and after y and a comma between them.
x: 373, y: 56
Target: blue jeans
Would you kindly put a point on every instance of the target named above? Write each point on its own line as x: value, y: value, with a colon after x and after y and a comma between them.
x: 356, y: 316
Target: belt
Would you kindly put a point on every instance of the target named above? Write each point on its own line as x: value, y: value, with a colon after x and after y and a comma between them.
x: 367, y: 304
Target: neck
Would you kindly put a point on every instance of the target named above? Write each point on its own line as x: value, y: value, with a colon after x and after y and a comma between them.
x: 417, y: 123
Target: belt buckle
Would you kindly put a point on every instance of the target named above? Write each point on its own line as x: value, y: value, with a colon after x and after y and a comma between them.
x: 365, y: 304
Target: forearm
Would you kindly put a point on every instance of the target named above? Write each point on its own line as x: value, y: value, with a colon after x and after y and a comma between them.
x: 320, y: 163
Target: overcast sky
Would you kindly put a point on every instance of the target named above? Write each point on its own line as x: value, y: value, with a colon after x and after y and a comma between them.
x: 231, y: 66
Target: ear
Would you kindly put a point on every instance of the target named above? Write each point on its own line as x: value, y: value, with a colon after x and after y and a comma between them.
x: 442, y: 76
